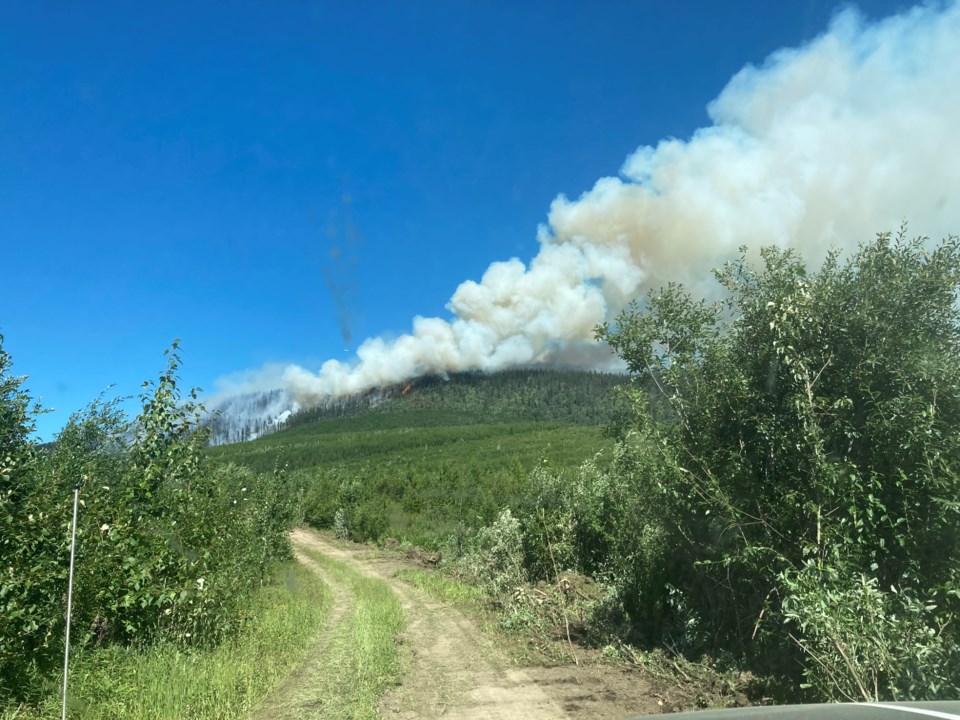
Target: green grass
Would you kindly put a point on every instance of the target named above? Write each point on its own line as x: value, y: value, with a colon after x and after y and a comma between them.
x: 362, y: 659
x: 164, y: 682
x: 444, y: 588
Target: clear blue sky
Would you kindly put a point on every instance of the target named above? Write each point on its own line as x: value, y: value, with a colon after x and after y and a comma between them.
x: 185, y: 169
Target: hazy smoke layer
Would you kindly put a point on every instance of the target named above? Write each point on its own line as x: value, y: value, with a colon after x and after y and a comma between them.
x: 820, y: 147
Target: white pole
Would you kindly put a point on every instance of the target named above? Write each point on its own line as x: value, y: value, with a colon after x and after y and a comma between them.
x: 66, y: 645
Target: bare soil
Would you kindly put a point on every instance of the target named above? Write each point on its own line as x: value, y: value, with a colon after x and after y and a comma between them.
x: 455, y: 670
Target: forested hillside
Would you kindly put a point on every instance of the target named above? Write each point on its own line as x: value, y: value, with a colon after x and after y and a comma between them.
x: 436, y: 455
x: 524, y: 394
x: 569, y: 396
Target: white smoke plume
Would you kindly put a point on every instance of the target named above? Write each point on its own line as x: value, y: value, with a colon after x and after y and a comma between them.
x: 821, y: 146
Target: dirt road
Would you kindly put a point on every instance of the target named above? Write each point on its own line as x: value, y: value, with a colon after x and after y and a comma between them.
x: 455, y: 671
x: 297, y: 697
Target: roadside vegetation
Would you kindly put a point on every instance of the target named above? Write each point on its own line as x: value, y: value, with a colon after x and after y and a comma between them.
x: 167, y: 681
x: 447, y: 589
x: 784, y: 496
x: 175, y: 556
x: 777, y: 492
x: 789, y: 479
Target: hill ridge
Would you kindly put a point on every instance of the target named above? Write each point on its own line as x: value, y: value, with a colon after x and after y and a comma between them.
x: 580, y: 397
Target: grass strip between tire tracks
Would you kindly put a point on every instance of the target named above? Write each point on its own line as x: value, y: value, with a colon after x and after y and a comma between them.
x: 363, y: 659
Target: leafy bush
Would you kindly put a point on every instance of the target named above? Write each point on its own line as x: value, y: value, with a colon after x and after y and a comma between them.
x: 320, y: 497
x: 32, y: 543
x: 866, y: 643
x: 605, y: 523
x: 168, y: 545
x: 349, y: 504
x: 799, y: 441
x: 493, y: 557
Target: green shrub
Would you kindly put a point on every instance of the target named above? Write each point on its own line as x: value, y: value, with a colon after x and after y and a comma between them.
x: 168, y: 544
x: 608, y: 522
x: 320, y: 497
x: 492, y: 557
x: 866, y: 643
x: 801, y: 442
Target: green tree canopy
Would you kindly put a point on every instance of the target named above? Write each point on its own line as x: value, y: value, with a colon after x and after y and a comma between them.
x: 808, y: 426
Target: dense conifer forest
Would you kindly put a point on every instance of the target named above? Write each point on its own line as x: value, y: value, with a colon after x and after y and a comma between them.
x: 517, y: 395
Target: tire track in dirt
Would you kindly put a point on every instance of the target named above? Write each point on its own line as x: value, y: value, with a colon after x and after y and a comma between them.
x: 453, y: 671
x: 293, y: 699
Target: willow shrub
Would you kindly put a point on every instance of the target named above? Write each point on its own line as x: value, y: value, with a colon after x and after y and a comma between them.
x: 794, y: 447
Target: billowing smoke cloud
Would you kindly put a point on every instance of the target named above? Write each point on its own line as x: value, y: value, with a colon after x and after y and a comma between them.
x: 819, y: 147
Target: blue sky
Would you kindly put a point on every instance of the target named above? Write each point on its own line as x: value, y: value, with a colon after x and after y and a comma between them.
x: 258, y: 178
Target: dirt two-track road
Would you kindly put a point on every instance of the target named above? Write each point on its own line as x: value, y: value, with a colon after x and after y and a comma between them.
x: 453, y: 670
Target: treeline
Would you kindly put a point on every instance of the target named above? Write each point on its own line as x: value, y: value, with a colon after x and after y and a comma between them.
x: 169, y: 545
x: 526, y: 394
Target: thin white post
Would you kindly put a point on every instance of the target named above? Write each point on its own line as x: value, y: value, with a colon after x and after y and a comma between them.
x: 66, y: 645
